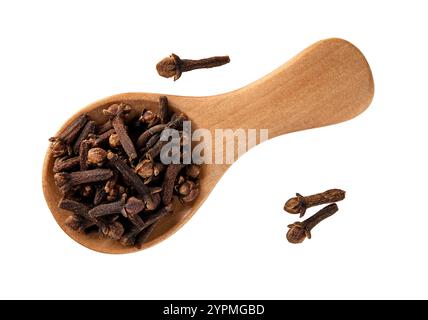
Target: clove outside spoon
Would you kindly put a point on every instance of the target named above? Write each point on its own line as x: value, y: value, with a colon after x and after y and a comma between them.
x: 327, y: 83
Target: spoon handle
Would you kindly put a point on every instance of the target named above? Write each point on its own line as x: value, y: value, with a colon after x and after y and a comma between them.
x: 327, y: 83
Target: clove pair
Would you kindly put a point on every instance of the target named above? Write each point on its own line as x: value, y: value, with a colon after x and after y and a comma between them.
x: 299, y: 231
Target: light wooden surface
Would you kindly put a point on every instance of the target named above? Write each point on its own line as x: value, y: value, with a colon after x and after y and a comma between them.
x: 327, y: 83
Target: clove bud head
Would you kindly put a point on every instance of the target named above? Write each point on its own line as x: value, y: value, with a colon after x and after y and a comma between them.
x: 169, y: 67
x: 297, y: 233
x: 296, y: 205
x: 147, y: 116
x: 58, y: 147
x: 193, y: 171
x: 117, y: 109
x: 97, y: 156
x: 62, y: 181
x: 132, y: 207
x: 114, y: 140
x: 145, y: 169
x: 114, y: 231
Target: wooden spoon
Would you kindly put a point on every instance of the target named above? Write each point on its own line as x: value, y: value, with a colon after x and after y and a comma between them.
x: 327, y: 83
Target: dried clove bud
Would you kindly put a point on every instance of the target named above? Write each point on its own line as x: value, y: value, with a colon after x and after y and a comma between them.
x: 117, y: 112
x: 193, y: 171
x: 83, y: 154
x: 61, y: 144
x: 114, y: 230
x: 87, y: 130
x: 129, y: 176
x: 154, y: 217
x: 103, y: 138
x: 154, y: 202
x: 59, y: 148
x: 145, y: 235
x: 299, y: 231
x: 81, y: 219
x: 97, y: 156
x: 173, y: 66
x: 65, y: 181
x: 100, y: 195
x: 65, y: 164
x: 193, y: 194
x: 146, y: 135
x: 78, y: 224
x: 131, y: 210
x: 130, y: 238
x: 86, y: 191
x: 168, y: 184
x: 149, y: 118
x: 104, y: 128
x: 118, y: 200
x: 152, y: 141
x: 114, y: 141
x: 299, y: 204
x: 108, y: 208
x: 75, y: 206
x: 163, y: 109
x: 145, y: 169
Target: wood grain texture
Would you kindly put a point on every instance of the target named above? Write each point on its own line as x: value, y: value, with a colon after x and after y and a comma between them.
x: 327, y: 83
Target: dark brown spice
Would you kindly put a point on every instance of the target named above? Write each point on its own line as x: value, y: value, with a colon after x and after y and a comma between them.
x: 168, y: 184
x: 145, y: 235
x: 108, y: 208
x: 114, y: 141
x: 173, y: 66
x: 61, y: 144
x: 117, y: 113
x: 130, y: 238
x: 187, y: 190
x: 163, y: 110
x: 152, y: 141
x: 299, y: 204
x: 114, y: 230
x: 82, y: 220
x: 176, y: 124
x: 96, y: 156
x: 146, y: 135
x: 86, y: 191
x: 100, y: 195
x: 83, y: 154
x: 65, y: 164
x: 104, y: 128
x: 193, y: 171
x: 154, y: 151
x: 75, y: 206
x: 118, y: 200
x: 299, y: 231
x: 154, y: 202
x: 86, y: 131
x: 129, y: 176
x: 78, y: 223
x: 145, y: 169
x: 103, y: 138
x: 65, y: 181
x: 131, y: 210
x: 149, y: 118
x: 154, y: 217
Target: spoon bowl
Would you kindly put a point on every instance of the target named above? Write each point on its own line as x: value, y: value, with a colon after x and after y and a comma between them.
x: 327, y: 83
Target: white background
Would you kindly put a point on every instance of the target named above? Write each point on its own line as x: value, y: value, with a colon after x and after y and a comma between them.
x: 58, y: 56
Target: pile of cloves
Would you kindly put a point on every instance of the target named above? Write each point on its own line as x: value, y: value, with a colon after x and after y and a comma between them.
x: 111, y: 176
x: 299, y: 231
